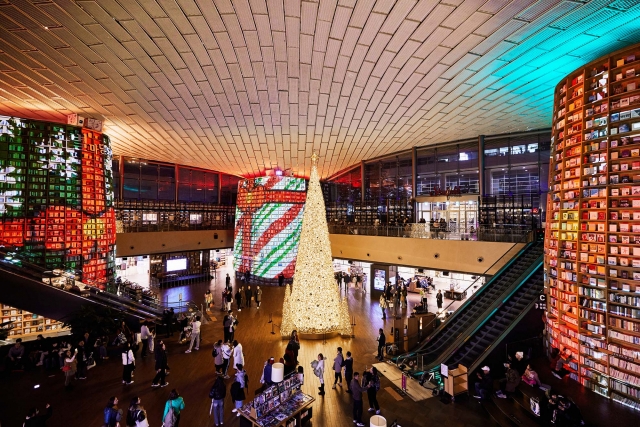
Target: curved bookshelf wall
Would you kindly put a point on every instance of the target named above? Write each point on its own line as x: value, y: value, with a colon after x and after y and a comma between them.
x: 592, y: 236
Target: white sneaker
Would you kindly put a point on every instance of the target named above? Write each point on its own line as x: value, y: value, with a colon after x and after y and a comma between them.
x: 371, y: 409
x: 334, y: 387
x: 378, y: 412
x: 234, y: 410
x: 238, y: 414
x: 360, y: 425
x: 197, y: 348
x: 39, y: 364
x: 188, y: 351
x: 239, y: 309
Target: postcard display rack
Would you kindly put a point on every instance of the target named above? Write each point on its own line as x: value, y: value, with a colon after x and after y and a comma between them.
x: 280, y: 405
x: 26, y: 323
x: 592, y: 239
x: 56, y: 197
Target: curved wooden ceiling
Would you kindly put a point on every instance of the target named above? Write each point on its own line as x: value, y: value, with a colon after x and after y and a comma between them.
x: 243, y: 85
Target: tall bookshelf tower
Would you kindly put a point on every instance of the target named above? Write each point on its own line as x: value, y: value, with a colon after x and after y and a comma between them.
x: 592, y: 236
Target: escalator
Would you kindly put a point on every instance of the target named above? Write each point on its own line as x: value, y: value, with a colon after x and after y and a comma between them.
x: 29, y: 287
x: 481, y: 341
x: 447, y: 339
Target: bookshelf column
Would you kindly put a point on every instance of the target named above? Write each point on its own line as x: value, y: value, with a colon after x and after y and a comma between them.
x: 592, y: 236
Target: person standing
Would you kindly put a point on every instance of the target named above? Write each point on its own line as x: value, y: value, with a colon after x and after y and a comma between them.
x: 258, y: 296
x: 70, y: 366
x: 439, y: 300
x: 174, y: 404
x: 337, y: 367
x: 136, y: 416
x: 237, y: 394
x: 161, y: 366
x: 239, y: 298
x: 248, y: 296
x: 238, y: 355
x: 217, y: 394
x: 217, y: 357
x: 266, y: 372
x: 295, y: 344
x: 144, y: 336
x: 128, y: 363
x: 381, y: 343
x: 226, y: 355
x: 228, y: 326
x: 318, y: 370
x: 383, y: 306
x: 232, y: 328
x: 348, y: 371
x: 281, y: 279
x: 396, y: 302
x: 112, y: 415
x: 372, y: 381
x: 404, y: 295
x: 195, y: 334
x: 229, y: 298
x: 227, y: 281
x: 357, y: 390
x: 81, y: 373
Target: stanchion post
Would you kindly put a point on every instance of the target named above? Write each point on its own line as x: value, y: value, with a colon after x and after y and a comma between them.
x: 270, y: 318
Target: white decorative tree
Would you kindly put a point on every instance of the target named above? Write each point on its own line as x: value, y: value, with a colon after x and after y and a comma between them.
x: 314, y: 306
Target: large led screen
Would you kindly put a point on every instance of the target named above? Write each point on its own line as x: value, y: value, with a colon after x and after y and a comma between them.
x: 268, y: 224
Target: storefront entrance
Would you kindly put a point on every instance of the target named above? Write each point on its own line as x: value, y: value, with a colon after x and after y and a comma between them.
x: 460, y: 213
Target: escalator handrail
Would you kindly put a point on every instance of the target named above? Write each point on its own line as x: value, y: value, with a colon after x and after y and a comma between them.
x: 472, y: 298
x: 491, y: 309
x: 504, y: 301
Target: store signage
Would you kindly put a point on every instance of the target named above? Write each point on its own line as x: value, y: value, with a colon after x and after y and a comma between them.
x: 449, y: 192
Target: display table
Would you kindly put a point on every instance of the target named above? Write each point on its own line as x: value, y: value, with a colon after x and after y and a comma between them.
x: 296, y: 411
x: 455, y: 295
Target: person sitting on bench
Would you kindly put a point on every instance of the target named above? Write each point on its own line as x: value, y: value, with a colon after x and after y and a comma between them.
x: 14, y: 358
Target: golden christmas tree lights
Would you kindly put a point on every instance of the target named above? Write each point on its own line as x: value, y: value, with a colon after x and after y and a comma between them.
x: 314, y: 305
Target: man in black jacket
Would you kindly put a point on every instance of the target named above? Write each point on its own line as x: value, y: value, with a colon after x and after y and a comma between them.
x: 357, y: 390
x: 81, y: 373
x: 484, y: 384
x: 348, y: 371
x: 161, y: 366
x: 382, y: 341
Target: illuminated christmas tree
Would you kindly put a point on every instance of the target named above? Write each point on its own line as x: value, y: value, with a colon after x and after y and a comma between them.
x: 287, y: 321
x: 314, y: 306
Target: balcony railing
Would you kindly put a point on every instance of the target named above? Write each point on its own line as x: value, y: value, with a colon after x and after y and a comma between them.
x: 503, y: 233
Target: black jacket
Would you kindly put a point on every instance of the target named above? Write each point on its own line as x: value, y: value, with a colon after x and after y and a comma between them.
x: 382, y: 340
x: 237, y: 392
x: 486, y: 382
x: 348, y: 367
x: 161, y: 359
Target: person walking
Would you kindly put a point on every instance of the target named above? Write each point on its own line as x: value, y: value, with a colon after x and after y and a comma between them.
x: 173, y: 409
x: 112, y: 415
x: 248, y: 294
x: 238, y: 354
x: 357, y: 390
x: 70, y: 367
x: 337, y: 368
x: 383, y: 306
x: 128, y: 363
x: 229, y: 298
x: 238, y: 296
x: 208, y: 300
x: 136, y: 416
x: 348, y: 371
x: 217, y: 357
x: 281, y: 279
x: 161, y: 366
x: 195, y: 334
x: 226, y: 355
x: 318, y: 370
x: 258, y: 296
x: 381, y: 343
x: 439, y: 299
x: 217, y: 394
x: 372, y: 381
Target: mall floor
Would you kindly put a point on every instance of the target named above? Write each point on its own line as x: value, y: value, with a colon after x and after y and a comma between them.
x: 193, y: 374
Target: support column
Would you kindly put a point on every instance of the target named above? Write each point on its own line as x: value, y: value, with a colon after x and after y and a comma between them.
x: 414, y: 182
x: 362, y: 187
x: 219, y: 188
x: 481, y: 182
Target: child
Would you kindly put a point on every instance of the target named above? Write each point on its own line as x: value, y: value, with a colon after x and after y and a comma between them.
x: 301, y: 375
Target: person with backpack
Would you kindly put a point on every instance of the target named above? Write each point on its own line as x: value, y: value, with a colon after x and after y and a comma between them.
x: 217, y: 357
x: 372, y: 381
x: 137, y: 416
x: 128, y: 363
x: 112, y: 415
x: 217, y: 394
x: 318, y: 370
x: 172, y: 409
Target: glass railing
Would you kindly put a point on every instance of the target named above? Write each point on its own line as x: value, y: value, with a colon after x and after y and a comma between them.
x: 502, y: 233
